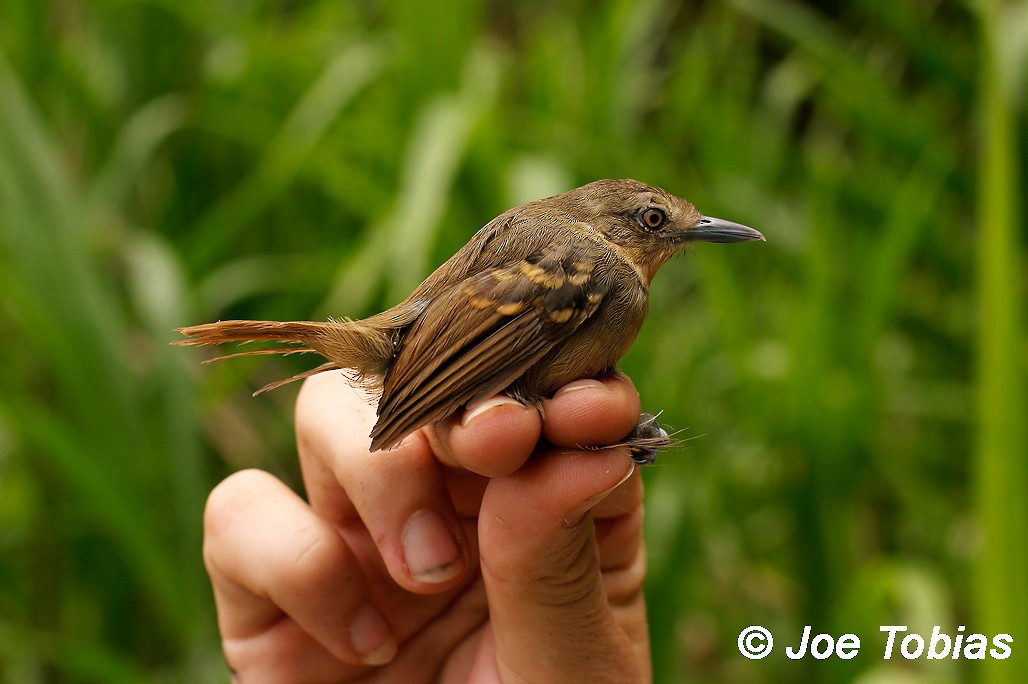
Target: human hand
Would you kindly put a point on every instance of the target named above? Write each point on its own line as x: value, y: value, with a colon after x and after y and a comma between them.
x: 454, y: 557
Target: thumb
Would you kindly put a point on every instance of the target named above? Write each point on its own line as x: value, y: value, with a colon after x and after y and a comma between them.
x: 549, y: 613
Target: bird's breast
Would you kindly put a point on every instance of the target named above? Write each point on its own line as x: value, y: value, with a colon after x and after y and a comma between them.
x: 593, y: 349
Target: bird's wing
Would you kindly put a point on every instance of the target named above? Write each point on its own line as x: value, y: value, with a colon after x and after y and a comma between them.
x: 483, y: 333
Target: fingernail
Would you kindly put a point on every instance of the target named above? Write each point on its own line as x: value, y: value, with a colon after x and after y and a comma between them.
x: 475, y: 410
x: 430, y: 551
x: 371, y: 637
x: 581, y: 385
x: 575, y: 515
x: 603, y: 495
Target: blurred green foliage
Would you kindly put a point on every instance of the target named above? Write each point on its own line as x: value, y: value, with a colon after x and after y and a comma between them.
x: 854, y: 390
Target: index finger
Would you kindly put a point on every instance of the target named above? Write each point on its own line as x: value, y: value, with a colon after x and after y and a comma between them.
x: 495, y: 437
x: 591, y: 412
x: 394, y: 501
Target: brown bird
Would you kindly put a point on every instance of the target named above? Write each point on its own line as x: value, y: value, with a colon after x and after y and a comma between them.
x: 548, y: 292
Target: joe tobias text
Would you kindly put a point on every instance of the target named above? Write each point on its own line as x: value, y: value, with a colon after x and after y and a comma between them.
x: 756, y: 642
x: 910, y: 645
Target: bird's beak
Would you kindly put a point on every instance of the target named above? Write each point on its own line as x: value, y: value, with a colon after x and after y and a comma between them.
x: 710, y: 229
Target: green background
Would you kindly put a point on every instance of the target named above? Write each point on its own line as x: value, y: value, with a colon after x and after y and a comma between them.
x: 853, y: 390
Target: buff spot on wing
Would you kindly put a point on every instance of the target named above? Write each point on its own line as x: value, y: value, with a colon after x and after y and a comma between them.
x: 505, y: 274
x: 560, y: 316
x: 511, y: 309
x: 581, y: 271
x: 477, y: 299
x: 540, y: 276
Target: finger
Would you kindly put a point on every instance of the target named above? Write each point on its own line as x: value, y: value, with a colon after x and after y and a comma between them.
x: 618, y: 521
x: 396, y: 497
x: 284, y: 654
x: 271, y: 558
x: 496, y: 436
x: 626, y: 500
x: 492, y: 437
x: 591, y: 412
x: 540, y: 563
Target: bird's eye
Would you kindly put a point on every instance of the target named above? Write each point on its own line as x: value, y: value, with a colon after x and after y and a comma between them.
x: 653, y: 218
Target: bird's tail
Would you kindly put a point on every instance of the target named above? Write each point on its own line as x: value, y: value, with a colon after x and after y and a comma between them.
x: 363, y: 347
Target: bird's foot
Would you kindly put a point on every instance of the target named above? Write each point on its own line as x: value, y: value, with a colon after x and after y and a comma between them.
x: 646, y: 439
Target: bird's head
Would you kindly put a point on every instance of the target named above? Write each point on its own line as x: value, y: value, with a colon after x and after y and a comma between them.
x: 648, y: 224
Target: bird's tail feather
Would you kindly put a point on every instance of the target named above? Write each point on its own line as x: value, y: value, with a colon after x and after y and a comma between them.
x: 248, y: 331
x: 360, y: 346
x: 299, y: 376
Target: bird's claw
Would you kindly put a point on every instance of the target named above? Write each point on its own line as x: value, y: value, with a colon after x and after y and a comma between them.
x: 646, y: 439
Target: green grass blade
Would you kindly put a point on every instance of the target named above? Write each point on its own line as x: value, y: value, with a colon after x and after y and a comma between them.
x: 1001, y: 446
x: 336, y: 86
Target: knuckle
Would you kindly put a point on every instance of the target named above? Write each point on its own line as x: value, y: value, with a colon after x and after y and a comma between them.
x: 317, y: 559
x: 226, y: 511
x: 230, y: 496
x: 313, y: 555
